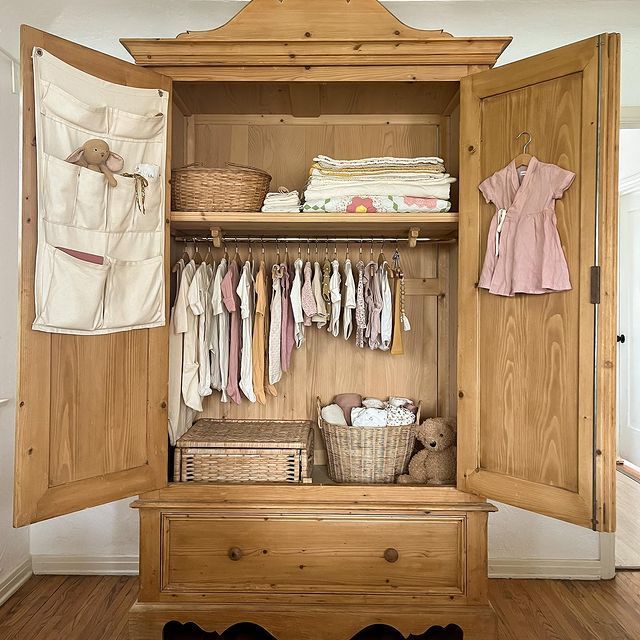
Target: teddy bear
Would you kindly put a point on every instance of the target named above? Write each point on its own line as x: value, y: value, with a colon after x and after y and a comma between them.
x: 95, y: 154
x: 435, y: 464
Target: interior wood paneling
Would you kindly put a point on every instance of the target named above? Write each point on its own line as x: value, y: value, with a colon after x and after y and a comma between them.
x: 312, y: 99
x: 532, y: 392
x: 286, y: 151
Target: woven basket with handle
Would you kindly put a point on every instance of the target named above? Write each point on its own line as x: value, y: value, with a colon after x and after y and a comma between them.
x: 235, y: 188
x: 367, y: 455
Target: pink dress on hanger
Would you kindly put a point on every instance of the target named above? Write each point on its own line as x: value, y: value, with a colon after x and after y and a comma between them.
x: 524, y: 254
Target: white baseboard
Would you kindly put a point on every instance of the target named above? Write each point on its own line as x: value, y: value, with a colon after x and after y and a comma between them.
x: 85, y: 565
x: 498, y: 568
x: 15, y: 580
x: 550, y: 569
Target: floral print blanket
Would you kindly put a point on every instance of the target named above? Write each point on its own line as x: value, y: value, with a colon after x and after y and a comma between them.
x: 377, y: 204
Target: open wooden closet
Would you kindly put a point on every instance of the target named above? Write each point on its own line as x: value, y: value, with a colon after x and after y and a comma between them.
x: 530, y: 378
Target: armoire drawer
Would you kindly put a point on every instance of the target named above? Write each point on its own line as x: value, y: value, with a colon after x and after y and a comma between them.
x: 207, y: 553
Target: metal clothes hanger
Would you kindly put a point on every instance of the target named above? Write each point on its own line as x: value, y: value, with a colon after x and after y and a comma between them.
x: 524, y: 158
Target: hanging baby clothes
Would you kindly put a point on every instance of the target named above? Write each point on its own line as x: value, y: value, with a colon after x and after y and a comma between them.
x: 320, y: 317
x: 245, y: 294
x: 336, y: 297
x: 524, y: 253
x: 197, y: 297
x: 386, y: 317
x: 275, y: 328
x: 231, y: 301
x: 373, y: 301
x: 296, y: 304
x: 287, y: 327
x: 212, y: 331
x: 326, y: 285
x: 258, y: 334
x: 187, y: 324
x: 349, y: 299
x: 361, y: 312
x: 309, y: 307
x: 176, y: 408
x: 221, y: 356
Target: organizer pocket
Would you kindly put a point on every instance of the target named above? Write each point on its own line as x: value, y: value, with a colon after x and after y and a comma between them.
x: 74, y: 299
x: 134, y: 293
x: 131, y: 125
x: 124, y: 211
x: 61, y: 105
x: 74, y: 195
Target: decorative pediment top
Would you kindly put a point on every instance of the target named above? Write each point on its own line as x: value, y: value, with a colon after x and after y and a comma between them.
x: 314, y: 32
x: 292, y: 20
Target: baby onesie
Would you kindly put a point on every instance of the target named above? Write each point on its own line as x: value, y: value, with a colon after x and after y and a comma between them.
x: 373, y: 301
x: 349, y: 300
x: 275, y: 330
x: 524, y: 253
x: 258, y: 334
x: 245, y: 294
x: 287, y: 327
x: 197, y: 296
x: 221, y: 359
x: 320, y: 317
x: 309, y: 307
x: 296, y: 304
x: 361, y: 312
x: 386, y: 317
x: 231, y: 301
x: 334, y: 292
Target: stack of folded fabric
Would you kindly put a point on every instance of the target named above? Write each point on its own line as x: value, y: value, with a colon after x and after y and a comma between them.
x: 378, y: 185
x: 282, y: 200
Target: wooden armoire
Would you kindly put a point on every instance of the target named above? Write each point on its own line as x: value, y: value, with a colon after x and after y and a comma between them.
x: 531, y: 378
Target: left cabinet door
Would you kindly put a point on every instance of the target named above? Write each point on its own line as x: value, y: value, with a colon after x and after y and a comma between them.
x: 91, y: 422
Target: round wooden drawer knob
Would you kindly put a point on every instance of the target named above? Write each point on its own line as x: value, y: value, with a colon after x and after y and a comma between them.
x: 391, y: 555
x: 235, y: 553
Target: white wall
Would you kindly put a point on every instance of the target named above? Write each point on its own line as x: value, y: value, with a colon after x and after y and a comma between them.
x: 14, y: 544
x: 537, y: 26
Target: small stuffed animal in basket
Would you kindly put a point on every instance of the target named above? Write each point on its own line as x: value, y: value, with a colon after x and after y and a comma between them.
x: 95, y: 154
x: 436, y: 463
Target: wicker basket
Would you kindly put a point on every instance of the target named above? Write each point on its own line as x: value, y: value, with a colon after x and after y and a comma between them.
x: 367, y: 455
x: 236, y: 188
x: 245, y: 451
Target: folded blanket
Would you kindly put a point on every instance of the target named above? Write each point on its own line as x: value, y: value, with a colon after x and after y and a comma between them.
x: 431, y: 178
x: 366, y: 162
x: 440, y: 191
x: 374, y: 169
x: 377, y: 204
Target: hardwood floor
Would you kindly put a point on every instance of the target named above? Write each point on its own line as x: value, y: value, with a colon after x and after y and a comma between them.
x: 95, y: 608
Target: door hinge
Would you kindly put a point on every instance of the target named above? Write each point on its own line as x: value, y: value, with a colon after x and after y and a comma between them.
x: 595, y: 285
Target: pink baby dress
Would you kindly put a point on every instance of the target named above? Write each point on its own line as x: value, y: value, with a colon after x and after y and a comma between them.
x: 524, y: 254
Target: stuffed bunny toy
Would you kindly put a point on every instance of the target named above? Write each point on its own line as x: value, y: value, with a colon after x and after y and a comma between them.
x: 95, y: 154
x: 435, y: 464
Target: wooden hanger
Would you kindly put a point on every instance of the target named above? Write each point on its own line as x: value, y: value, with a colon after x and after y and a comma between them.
x: 226, y: 253
x: 524, y: 158
x: 209, y: 257
x: 381, y: 256
x: 237, y: 256
x: 197, y: 258
x: 186, y: 258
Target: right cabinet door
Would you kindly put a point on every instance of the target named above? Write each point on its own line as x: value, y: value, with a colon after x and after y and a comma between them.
x: 536, y: 373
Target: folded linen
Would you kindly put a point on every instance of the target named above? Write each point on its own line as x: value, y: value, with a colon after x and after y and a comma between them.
x: 440, y: 191
x: 388, y: 178
x: 376, y: 204
x: 285, y: 201
x: 363, y: 417
x: 372, y: 170
x: 377, y: 161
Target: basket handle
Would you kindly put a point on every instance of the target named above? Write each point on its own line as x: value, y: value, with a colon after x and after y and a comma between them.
x: 319, y: 406
x: 193, y: 164
x: 246, y: 167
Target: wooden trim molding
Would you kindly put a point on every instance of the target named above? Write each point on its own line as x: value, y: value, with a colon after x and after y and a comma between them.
x: 298, y: 33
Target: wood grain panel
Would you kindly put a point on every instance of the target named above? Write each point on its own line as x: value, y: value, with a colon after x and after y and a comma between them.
x: 526, y: 364
x: 530, y: 391
x: 91, y: 425
x: 286, y: 151
x: 319, y: 555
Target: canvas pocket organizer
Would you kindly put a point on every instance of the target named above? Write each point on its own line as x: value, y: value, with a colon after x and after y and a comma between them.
x: 100, y: 256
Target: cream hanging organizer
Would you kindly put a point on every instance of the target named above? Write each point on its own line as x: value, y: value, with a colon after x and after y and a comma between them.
x: 100, y: 254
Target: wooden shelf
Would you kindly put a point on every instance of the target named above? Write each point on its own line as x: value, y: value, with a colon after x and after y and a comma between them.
x: 429, y: 225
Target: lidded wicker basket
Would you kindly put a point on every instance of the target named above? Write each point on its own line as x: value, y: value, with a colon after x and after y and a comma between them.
x: 367, y: 455
x: 235, y: 188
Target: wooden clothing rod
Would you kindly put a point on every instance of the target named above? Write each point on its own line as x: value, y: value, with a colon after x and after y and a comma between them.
x: 284, y: 240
